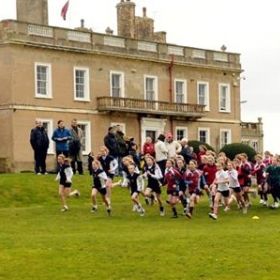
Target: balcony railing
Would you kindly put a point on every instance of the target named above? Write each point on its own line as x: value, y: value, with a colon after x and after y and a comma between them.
x: 130, y: 105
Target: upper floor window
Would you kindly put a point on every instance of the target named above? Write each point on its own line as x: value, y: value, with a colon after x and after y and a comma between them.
x: 180, y: 91
x: 81, y: 86
x: 117, y: 84
x: 225, y: 137
x: 181, y: 132
x: 43, y: 81
x: 203, y: 94
x: 150, y: 88
x: 224, y: 98
x: 255, y: 145
x: 204, y: 135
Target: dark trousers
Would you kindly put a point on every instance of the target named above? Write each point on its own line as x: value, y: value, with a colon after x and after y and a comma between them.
x: 79, y: 167
x: 40, y: 156
x: 162, y: 166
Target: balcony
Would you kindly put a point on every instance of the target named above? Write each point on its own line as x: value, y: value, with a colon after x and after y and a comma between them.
x: 147, y: 107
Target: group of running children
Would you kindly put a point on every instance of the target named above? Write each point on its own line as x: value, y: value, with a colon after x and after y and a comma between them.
x: 223, y: 181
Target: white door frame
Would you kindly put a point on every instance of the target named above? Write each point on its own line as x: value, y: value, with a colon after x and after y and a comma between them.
x: 157, y: 125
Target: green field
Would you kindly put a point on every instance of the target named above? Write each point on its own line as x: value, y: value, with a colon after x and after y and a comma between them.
x: 37, y: 241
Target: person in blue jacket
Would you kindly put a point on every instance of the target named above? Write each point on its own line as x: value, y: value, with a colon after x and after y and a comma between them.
x: 61, y: 136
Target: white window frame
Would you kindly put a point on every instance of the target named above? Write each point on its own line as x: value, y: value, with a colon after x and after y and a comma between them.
x: 155, y: 78
x: 184, y: 128
x: 123, y: 125
x: 48, y: 94
x: 207, y: 104
x: 86, y: 84
x: 255, y: 142
x: 207, y: 130
x: 227, y: 108
x: 222, y: 144
x: 184, y: 82
x: 50, y: 133
x: 87, y: 136
x: 121, y: 74
x: 245, y: 141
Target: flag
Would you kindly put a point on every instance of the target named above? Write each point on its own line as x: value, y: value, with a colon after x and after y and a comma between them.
x: 64, y: 10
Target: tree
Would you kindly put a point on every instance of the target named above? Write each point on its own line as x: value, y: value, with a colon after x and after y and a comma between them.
x: 231, y: 150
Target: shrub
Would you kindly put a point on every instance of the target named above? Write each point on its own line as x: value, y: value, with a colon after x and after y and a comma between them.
x: 231, y: 150
x: 195, y: 144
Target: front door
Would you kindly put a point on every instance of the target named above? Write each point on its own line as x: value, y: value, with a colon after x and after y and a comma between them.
x: 151, y: 127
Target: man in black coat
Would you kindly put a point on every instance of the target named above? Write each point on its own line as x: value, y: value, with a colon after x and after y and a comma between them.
x: 111, y: 142
x: 39, y: 141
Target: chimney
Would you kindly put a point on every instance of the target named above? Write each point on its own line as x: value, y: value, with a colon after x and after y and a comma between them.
x: 109, y: 31
x: 33, y: 11
x: 144, y: 11
x: 126, y: 19
x: 82, y: 23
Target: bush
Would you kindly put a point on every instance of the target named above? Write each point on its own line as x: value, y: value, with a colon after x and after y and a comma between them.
x: 231, y: 150
x: 195, y: 144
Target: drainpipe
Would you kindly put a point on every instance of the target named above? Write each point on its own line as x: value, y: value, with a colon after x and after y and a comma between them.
x: 170, y: 71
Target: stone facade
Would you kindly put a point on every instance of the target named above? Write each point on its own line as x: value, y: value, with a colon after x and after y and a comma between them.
x: 148, y: 87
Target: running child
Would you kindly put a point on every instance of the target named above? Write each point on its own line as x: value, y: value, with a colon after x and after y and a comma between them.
x: 135, y: 182
x: 64, y: 176
x: 99, y: 186
x: 153, y: 173
x: 171, y: 179
x: 109, y: 165
x: 192, y: 180
x: 235, y: 186
x: 221, y: 182
x: 257, y: 171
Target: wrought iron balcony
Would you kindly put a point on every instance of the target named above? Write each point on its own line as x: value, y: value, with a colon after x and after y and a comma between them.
x: 141, y: 106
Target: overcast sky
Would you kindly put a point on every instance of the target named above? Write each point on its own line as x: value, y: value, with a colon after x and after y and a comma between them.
x: 248, y: 27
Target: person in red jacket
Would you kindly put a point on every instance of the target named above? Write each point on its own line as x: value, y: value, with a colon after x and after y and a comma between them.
x: 244, y: 176
x: 172, y: 179
x: 209, y: 172
x: 148, y: 147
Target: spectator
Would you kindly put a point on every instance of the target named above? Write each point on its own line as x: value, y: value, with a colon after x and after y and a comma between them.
x: 149, y: 147
x: 111, y: 143
x: 61, y: 136
x: 75, y: 147
x: 161, y: 153
x: 202, y: 150
x: 186, y: 151
x: 172, y: 146
x: 123, y: 151
x: 39, y: 141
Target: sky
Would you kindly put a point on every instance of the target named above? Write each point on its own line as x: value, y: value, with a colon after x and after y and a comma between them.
x: 248, y: 27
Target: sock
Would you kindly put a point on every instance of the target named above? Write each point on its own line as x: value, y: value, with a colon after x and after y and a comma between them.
x: 174, y: 211
x: 161, y: 208
x: 191, y: 209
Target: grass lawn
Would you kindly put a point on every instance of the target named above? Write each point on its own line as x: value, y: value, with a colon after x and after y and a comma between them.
x: 37, y: 241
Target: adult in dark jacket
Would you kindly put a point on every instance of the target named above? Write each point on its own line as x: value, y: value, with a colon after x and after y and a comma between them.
x: 39, y: 141
x: 111, y: 143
